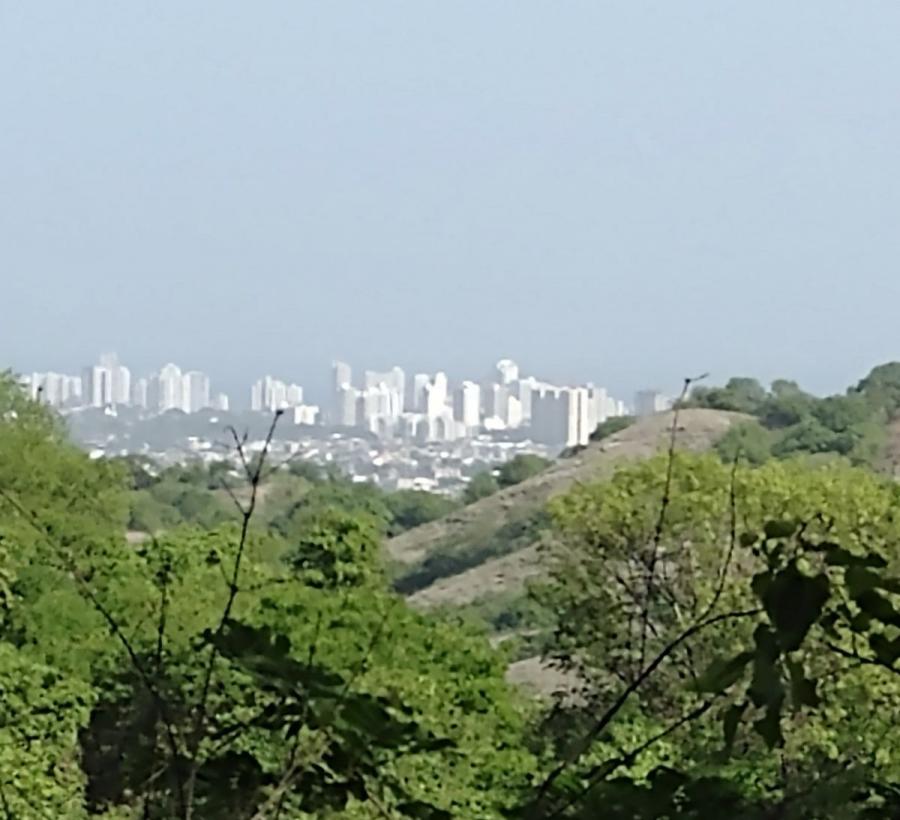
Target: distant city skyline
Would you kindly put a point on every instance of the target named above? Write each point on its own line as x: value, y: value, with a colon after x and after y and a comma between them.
x: 419, y: 183
x: 389, y: 404
x: 315, y: 377
x: 317, y: 381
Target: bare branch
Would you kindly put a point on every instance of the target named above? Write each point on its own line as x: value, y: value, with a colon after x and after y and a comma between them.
x: 603, y: 770
x: 663, y: 511
x: 254, y: 476
x: 608, y: 716
x: 861, y: 660
x: 163, y: 614
x: 732, y: 539
x: 239, y: 443
x: 227, y: 487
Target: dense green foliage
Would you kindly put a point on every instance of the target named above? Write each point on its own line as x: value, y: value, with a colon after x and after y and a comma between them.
x: 521, y: 468
x: 768, y: 601
x: 227, y: 673
x: 518, y: 469
x: 481, y: 486
x: 789, y: 422
x: 729, y: 634
x: 199, y: 494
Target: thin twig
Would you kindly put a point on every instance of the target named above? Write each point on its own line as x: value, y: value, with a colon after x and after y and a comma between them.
x: 603, y: 770
x: 607, y: 717
x: 239, y: 443
x: 227, y: 487
x: 254, y: 477
x: 732, y: 539
x: 663, y: 511
x: 861, y: 659
x: 163, y: 614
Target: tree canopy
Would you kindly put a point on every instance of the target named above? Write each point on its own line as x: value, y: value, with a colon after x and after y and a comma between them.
x: 726, y: 632
x: 853, y: 425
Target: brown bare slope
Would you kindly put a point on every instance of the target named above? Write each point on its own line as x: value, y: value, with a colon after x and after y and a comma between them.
x: 505, y: 516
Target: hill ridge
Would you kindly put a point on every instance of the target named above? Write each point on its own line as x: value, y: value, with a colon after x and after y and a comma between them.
x: 481, y: 546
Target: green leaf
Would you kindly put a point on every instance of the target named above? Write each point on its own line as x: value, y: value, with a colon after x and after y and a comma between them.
x: 860, y: 579
x: 838, y: 556
x: 768, y: 727
x: 887, y: 651
x: 780, y: 529
x: 748, y: 539
x: 803, y: 689
x: 730, y: 723
x: 794, y: 602
x: 878, y: 607
x: 766, y: 686
x: 723, y: 673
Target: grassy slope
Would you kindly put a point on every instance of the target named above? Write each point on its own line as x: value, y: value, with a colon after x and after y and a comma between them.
x: 489, y: 547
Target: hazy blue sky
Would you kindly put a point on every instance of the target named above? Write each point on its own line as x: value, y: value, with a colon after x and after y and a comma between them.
x: 625, y: 192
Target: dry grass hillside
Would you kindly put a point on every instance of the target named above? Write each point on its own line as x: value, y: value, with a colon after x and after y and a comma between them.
x: 489, y: 547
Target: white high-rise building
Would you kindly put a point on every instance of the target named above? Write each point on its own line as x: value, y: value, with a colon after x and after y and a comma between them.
x: 394, y: 378
x: 341, y: 377
x: 140, y: 393
x: 36, y: 385
x: 561, y: 416
x: 507, y: 371
x: 467, y: 405
x: 380, y: 404
x: 270, y: 395
x: 436, y: 396
x: 649, y: 402
x: 346, y: 406
x: 170, y: 388
x: 121, y: 385
x: 55, y: 389
x: 417, y: 398
x: 602, y: 406
x: 523, y: 391
x: 97, y: 386
x: 306, y: 414
x: 294, y: 395
x: 494, y: 396
x: 513, y: 413
x: 379, y: 407
x: 196, y: 391
x: 341, y: 374
x: 70, y: 391
x: 120, y: 379
x: 221, y: 403
x: 276, y: 395
x: 442, y: 427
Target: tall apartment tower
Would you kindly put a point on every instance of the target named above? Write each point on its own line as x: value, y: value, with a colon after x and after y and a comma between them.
x: 561, y: 416
x: 341, y: 378
x: 467, y: 404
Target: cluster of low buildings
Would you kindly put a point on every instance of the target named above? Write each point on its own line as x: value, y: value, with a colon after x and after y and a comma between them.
x: 392, y: 464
